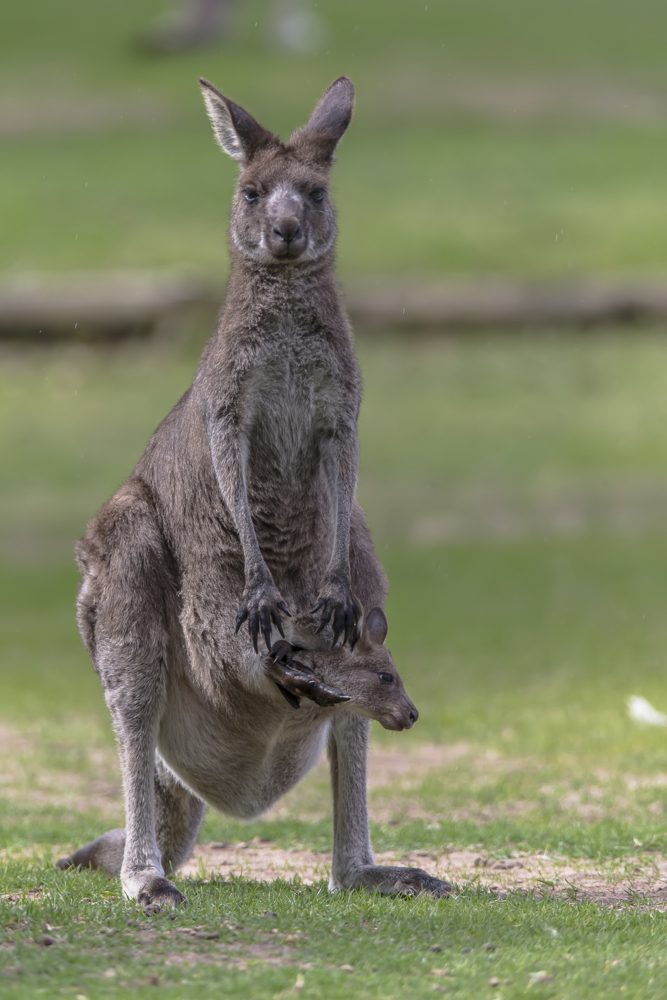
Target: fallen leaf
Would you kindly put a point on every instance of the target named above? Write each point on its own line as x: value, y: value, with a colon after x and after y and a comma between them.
x: 539, y: 977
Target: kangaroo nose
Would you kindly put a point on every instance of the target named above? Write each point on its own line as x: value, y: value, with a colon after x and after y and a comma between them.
x: 414, y: 715
x: 287, y: 230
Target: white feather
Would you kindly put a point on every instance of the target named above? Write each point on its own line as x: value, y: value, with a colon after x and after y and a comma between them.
x: 642, y: 711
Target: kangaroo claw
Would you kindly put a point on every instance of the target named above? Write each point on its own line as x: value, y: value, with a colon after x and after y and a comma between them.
x: 340, y: 607
x: 295, y: 680
x: 288, y: 696
x: 261, y: 607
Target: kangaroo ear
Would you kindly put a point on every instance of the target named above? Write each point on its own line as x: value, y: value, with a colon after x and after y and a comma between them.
x: 376, y: 626
x: 237, y: 132
x: 329, y: 120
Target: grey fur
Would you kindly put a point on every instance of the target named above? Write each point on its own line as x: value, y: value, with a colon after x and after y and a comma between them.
x: 245, y: 499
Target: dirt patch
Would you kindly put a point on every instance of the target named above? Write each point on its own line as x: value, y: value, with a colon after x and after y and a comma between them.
x: 387, y: 765
x: 19, y: 897
x: 28, y: 774
x: 235, y: 956
x: 522, y: 99
x: 38, y: 770
x: 636, y: 881
x: 62, y: 113
x: 408, y: 782
x: 424, y: 781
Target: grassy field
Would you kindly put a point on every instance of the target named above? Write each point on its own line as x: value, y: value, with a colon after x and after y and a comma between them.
x: 516, y: 487
x: 515, y: 139
x: 516, y: 491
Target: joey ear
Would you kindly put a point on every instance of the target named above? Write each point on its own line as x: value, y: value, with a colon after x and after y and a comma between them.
x: 237, y: 132
x: 329, y: 120
x: 376, y: 625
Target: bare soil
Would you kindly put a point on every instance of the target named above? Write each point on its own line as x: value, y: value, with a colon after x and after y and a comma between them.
x: 569, y: 98
x: 635, y: 881
x: 30, y: 771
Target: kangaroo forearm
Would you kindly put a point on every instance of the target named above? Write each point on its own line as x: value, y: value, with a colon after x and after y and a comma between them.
x: 339, y: 565
x: 227, y: 453
x: 340, y: 459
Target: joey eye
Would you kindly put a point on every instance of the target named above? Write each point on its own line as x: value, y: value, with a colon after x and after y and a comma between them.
x: 386, y: 678
x: 251, y: 195
x: 317, y: 194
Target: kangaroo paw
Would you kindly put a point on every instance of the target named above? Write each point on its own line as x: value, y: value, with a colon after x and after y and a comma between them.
x: 340, y: 607
x: 158, y: 893
x: 393, y: 881
x: 261, y: 607
x: 295, y: 680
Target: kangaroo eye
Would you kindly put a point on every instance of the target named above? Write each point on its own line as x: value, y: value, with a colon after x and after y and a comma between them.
x: 251, y: 195
x: 317, y: 195
x: 386, y: 678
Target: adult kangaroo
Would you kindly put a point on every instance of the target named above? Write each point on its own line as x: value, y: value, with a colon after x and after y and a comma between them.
x: 243, y: 508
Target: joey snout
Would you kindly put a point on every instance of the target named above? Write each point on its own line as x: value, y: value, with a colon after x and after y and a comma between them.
x: 384, y: 700
x: 401, y: 717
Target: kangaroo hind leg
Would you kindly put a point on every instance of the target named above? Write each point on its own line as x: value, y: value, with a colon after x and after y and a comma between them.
x: 178, y: 816
x: 127, y: 602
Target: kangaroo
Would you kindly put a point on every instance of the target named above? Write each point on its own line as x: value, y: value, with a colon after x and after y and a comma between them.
x: 242, y: 509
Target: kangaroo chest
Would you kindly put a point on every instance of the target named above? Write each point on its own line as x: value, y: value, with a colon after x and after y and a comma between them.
x: 290, y: 399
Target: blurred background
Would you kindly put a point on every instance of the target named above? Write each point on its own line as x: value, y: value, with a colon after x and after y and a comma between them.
x: 514, y: 468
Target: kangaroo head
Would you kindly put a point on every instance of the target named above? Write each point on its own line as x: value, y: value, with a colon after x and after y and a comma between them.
x: 282, y: 210
x: 366, y: 674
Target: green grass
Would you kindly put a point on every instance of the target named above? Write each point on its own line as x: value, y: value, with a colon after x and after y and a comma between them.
x: 424, y: 187
x: 580, y: 950
x: 519, y: 647
x: 516, y: 488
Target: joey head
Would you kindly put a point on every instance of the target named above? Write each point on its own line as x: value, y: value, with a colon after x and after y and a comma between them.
x: 242, y: 509
x: 365, y: 678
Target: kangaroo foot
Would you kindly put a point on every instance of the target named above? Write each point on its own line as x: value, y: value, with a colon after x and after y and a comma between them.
x: 152, y: 891
x: 296, y: 680
x: 105, y: 853
x: 261, y: 606
x: 340, y: 607
x: 393, y: 881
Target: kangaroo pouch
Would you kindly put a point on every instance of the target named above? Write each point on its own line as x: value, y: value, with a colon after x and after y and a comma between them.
x: 238, y: 767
